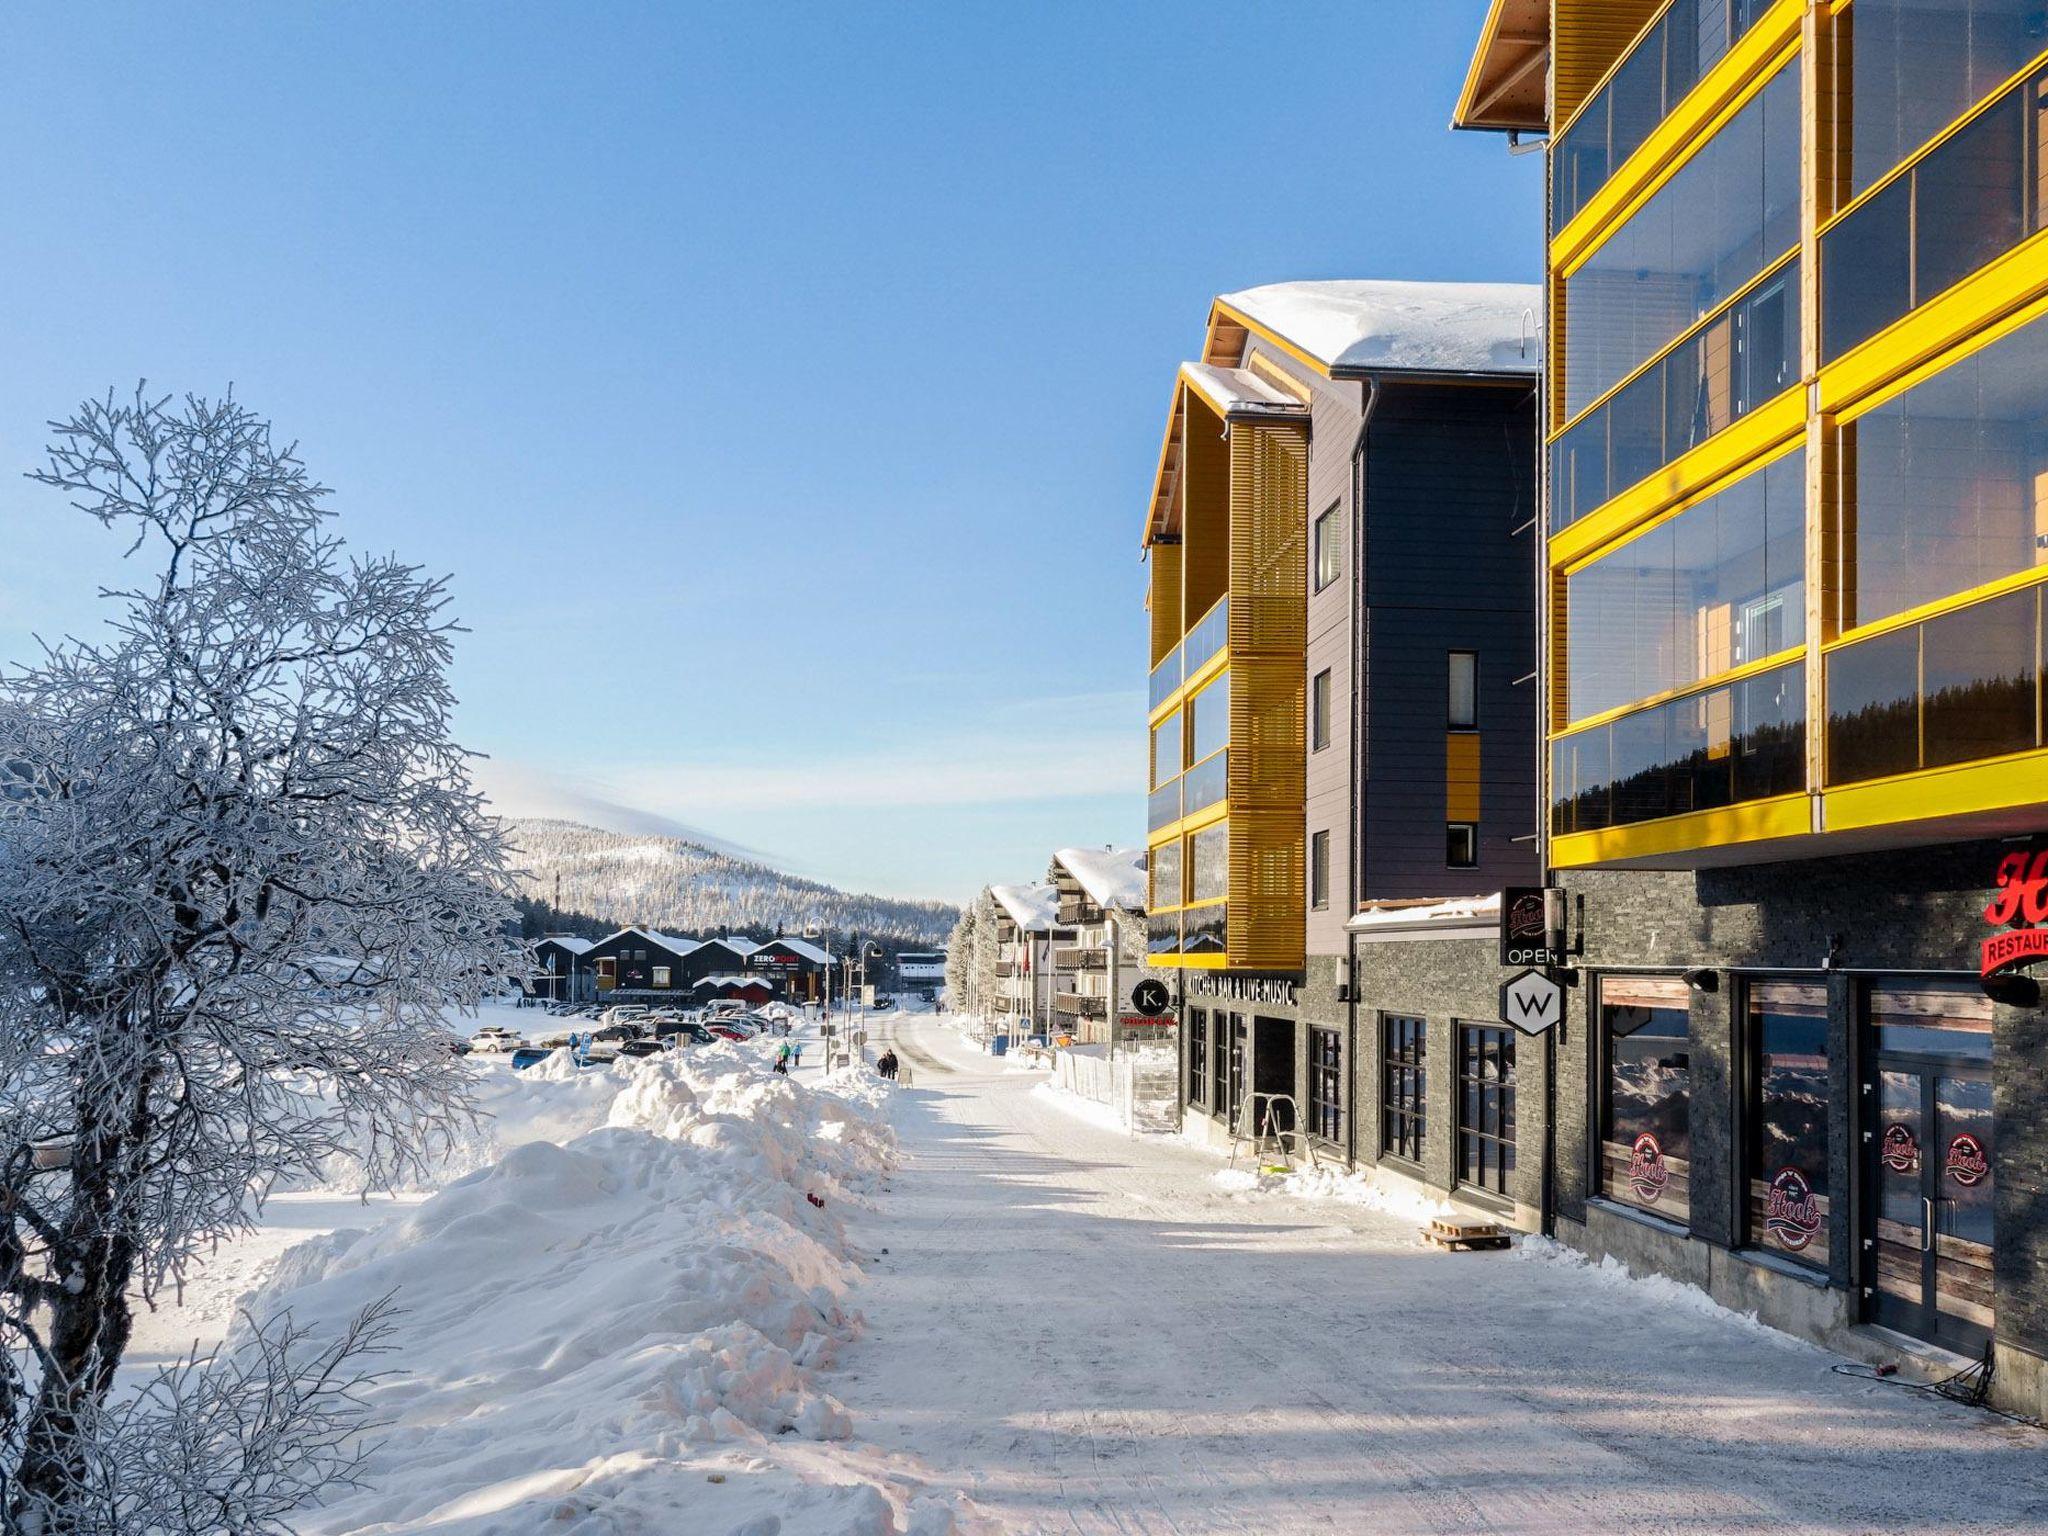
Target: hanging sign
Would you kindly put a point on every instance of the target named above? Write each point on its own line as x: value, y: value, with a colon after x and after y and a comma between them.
x: 1528, y: 935
x: 1150, y: 997
x: 1532, y: 1002
x: 2020, y: 908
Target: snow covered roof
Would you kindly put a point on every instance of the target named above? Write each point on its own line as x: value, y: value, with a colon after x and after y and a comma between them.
x: 1240, y: 392
x: 1358, y: 325
x: 567, y: 941
x: 740, y: 947
x: 802, y: 947
x: 667, y: 941
x: 1031, y: 907
x: 1112, y: 877
x: 1412, y: 917
x: 753, y: 980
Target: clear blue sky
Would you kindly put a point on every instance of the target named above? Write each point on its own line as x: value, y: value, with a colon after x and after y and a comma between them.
x: 780, y: 384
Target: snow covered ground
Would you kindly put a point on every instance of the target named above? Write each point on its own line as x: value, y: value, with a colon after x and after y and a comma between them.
x: 1088, y: 1333
x: 625, y: 1315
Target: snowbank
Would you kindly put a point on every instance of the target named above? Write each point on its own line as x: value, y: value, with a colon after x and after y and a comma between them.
x: 1367, y: 1187
x: 617, y: 1323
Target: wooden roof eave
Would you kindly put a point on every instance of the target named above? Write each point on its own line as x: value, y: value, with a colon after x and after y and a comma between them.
x: 1159, y: 519
x: 1505, y: 84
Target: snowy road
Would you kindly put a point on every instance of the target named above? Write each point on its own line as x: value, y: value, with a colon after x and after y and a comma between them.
x: 1087, y: 1335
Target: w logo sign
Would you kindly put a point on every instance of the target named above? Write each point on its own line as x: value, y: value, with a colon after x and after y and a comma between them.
x: 1532, y: 1002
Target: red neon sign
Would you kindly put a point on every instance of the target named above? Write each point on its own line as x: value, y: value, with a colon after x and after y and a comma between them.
x: 2020, y: 907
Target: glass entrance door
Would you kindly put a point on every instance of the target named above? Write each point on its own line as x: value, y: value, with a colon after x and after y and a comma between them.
x: 1928, y: 1233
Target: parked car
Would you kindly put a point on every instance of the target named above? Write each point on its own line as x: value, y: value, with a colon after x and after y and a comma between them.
x: 688, y: 1031
x: 529, y: 1056
x: 624, y: 1030
x: 725, y: 1031
x: 495, y: 1037
x: 637, y: 1048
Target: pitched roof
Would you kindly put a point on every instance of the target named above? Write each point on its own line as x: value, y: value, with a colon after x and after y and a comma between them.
x: 1351, y: 326
x: 804, y: 947
x: 568, y: 941
x: 1112, y: 877
x: 1506, y: 82
x: 667, y: 941
x: 1031, y: 907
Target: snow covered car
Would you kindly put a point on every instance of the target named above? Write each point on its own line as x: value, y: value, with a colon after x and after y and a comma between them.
x: 530, y: 1056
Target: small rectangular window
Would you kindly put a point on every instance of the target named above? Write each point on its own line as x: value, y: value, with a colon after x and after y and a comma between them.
x: 1319, y: 711
x: 1319, y: 870
x: 661, y: 975
x: 1461, y: 845
x: 1329, y: 560
x: 1464, y: 691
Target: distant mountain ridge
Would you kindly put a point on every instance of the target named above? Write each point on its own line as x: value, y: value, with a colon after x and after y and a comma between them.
x: 674, y: 884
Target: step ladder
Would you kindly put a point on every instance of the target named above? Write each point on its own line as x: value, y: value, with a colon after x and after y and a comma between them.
x: 1264, y: 1137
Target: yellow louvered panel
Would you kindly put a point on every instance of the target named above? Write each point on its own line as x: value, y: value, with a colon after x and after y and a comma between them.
x: 1587, y: 36
x: 1267, y: 891
x: 1205, y: 513
x: 1461, y: 776
x: 1560, y: 679
x: 1268, y: 541
x: 1165, y: 600
x: 1267, y: 709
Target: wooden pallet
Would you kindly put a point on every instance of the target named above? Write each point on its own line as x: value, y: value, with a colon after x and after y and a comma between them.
x: 1463, y: 1234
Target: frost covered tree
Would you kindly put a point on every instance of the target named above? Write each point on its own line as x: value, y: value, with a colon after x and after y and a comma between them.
x: 242, y: 875
x: 971, y: 957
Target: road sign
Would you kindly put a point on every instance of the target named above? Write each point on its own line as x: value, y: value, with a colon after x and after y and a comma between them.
x: 1150, y: 997
x: 1532, y: 1002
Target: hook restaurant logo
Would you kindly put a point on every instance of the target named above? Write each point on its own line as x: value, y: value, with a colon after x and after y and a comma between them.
x: 1967, y: 1163
x: 1647, y: 1174
x: 2020, y: 908
x: 1900, y: 1149
x: 1792, y: 1212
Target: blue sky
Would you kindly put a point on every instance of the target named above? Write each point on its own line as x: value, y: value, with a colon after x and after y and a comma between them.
x: 781, y: 385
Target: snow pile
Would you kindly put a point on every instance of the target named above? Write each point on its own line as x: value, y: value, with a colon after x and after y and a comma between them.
x: 1660, y: 1290
x: 1372, y: 1188
x: 622, y: 1331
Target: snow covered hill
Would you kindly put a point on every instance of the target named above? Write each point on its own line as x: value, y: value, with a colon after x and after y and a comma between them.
x: 684, y: 887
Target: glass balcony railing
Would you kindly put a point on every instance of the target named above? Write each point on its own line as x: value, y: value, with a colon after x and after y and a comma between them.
x: 1746, y: 355
x: 1162, y: 809
x: 1652, y: 78
x: 1210, y: 634
x: 1971, y: 198
x: 1951, y: 689
x: 1166, y: 677
x: 1208, y: 932
x: 1722, y: 746
x: 1206, y: 783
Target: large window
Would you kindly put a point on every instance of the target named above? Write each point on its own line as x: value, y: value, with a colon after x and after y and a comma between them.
x: 1945, y: 487
x: 1718, y: 586
x: 1326, y: 1084
x: 1787, y: 1119
x: 1166, y: 750
x: 1319, y: 711
x: 1654, y: 76
x: 1198, y: 1059
x: 1319, y: 870
x: 1462, y: 704
x: 1209, y: 863
x: 1645, y: 1127
x: 1486, y: 1106
x: 1743, y: 741
x: 1953, y: 689
x: 1162, y: 932
x: 1328, y: 553
x: 1915, y: 66
x: 1744, y: 356
x: 1209, y: 719
x: 1404, y: 1074
x: 1208, y: 931
x: 1973, y: 196
x: 1166, y: 875
x: 1730, y: 212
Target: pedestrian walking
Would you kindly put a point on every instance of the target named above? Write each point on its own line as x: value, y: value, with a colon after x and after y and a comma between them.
x: 796, y: 1053
x: 782, y: 1058
x: 886, y: 1065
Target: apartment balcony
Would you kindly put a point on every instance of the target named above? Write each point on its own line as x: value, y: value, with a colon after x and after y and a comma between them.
x: 1080, y: 959
x: 1079, y: 912
x: 1080, y: 1006
x: 1006, y: 968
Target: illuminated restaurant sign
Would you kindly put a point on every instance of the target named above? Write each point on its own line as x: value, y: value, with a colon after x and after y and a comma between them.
x: 2020, y: 909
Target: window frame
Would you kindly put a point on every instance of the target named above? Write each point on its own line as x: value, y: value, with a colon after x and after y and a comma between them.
x: 1404, y: 1087
x: 1319, y: 692
x: 1502, y: 1090
x: 1319, y: 871
x: 1326, y: 1084
x: 1451, y: 831
x: 1326, y: 549
x: 1451, y: 660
